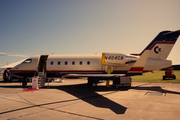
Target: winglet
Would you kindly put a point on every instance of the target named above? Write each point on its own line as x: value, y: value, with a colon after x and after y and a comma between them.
x: 138, y: 66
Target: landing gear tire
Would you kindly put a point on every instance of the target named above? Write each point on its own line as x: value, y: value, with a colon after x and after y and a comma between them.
x: 174, y: 77
x: 92, y: 85
x: 92, y: 82
x: 24, y: 82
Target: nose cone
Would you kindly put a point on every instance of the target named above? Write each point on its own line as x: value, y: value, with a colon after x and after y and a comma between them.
x: 27, y: 68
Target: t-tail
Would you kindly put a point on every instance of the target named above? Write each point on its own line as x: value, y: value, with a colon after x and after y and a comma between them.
x: 162, y: 44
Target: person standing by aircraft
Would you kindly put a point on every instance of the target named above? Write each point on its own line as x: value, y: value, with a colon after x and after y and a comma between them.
x: 10, y: 78
x: 6, y: 76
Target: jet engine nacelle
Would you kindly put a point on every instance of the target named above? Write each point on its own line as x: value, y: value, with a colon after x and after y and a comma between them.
x: 113, y: 58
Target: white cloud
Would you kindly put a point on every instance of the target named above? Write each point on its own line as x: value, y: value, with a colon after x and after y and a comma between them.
x: 17, y: 55
x: 3, y: 54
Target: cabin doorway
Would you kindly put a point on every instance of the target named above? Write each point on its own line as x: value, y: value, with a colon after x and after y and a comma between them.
x: 42, y: 63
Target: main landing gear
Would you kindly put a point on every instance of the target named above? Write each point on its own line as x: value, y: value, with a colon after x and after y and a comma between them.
x: 122, y: 81
x: 92, y: 81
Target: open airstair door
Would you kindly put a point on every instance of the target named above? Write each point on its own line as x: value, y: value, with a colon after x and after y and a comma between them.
x: 42, y: 70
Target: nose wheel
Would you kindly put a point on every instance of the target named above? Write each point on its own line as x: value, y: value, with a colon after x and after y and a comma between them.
x: 24, y: 82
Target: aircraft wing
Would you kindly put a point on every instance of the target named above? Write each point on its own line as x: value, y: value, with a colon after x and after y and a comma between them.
x: 7, y: 67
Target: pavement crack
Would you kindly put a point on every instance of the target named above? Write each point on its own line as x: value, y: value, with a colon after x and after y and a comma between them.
x: 33, y: 113
x: 41, y: 105
x: 76, y: 114
x: 14, y: 100
x: 17, y: 109
x: 25, y: 99
x: 38, y: 105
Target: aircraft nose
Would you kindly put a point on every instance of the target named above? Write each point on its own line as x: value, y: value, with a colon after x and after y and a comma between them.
x: 13, y: 71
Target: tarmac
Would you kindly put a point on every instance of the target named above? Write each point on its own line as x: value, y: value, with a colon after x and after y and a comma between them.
x: 72, y: 99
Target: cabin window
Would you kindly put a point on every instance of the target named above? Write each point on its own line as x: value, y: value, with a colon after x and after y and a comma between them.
x: 28, y: 61
x: 88, y: 62
x: 59, y: 62
x: 73, y: 62
x: 66, y: 63
x: 80, y: 63
x: 51, y: 62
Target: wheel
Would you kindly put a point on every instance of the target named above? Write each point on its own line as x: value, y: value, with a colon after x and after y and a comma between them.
x: 174, y: 77
x: 24, y: 82
x: 164, y: 77
x: 92, y: 82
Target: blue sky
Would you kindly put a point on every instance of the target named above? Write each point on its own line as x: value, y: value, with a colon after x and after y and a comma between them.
x: 33, y: 27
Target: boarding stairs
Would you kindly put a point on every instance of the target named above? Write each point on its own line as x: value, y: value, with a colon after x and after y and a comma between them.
x: 41, y: 79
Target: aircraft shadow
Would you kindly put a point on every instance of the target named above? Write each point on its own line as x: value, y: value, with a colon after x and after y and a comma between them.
x: 90, y: 96
x: 156, y: 89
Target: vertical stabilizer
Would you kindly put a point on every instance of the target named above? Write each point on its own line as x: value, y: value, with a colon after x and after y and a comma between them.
x: 162, y: 44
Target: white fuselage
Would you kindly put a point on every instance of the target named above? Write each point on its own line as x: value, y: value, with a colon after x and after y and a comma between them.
x: 107, y: 62
x: 61, y: 65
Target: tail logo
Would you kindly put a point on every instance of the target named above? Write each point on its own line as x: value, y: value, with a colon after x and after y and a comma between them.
x: 157, y: 49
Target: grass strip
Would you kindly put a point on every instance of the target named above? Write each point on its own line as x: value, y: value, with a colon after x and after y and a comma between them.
x: 156, y: 76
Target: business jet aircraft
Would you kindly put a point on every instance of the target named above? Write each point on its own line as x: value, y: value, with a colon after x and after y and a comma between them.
x: 106, y: 66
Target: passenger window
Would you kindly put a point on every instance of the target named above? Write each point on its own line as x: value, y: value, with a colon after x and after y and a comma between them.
x: 88, y: 62
x: 51, y: 62
x: 59, y: 62
x: 66, y: 63
x: 27, y: 61
x: 73, y: 63
x: 80, y: 63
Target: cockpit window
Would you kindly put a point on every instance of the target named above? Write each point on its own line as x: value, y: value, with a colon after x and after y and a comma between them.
x: 28, y: 61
